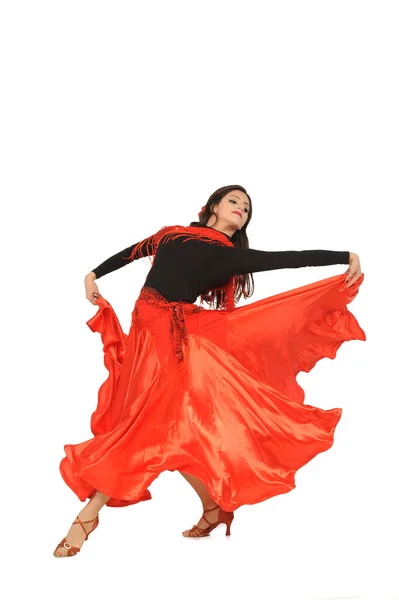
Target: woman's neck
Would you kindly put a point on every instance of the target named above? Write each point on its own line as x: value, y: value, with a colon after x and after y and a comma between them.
x: 209, y: 227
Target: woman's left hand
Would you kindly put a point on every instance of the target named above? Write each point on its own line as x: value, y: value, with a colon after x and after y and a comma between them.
x: 354, y: 271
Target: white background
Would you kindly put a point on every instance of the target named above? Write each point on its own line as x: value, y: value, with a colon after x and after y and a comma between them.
x: 120, y: 117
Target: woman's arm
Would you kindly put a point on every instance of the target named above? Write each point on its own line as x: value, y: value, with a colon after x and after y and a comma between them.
x: 119, y: 260
x: 238, y: 261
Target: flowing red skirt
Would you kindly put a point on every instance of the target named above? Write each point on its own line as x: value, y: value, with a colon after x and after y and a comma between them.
x: 212, y: 393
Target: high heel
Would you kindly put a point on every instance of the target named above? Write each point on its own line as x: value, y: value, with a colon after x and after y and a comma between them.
x: 73, y: 550
x: 223, y: 517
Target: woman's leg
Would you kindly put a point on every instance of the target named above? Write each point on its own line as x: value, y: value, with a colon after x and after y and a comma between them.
x: 76, y: 535
x: 206, y: 499
x: 200, y: 488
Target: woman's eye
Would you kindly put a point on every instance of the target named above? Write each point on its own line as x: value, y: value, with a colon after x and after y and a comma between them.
x: 246, y: 209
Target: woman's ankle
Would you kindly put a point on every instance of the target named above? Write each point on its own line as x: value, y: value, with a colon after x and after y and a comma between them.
x: 208, y: 504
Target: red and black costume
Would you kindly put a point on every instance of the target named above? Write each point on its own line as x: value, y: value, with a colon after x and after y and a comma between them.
x: 211, y: 392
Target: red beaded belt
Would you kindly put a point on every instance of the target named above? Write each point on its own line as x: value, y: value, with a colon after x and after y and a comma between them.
x: 177, y: 329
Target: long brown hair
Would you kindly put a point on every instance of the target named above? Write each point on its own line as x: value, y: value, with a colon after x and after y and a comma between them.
x: 244, y: 284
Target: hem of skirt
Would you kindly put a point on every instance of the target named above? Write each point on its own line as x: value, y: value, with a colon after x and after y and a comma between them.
x: 85, y: 489
x: 228, y: 505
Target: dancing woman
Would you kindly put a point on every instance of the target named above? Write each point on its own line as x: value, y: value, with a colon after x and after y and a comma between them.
x: 211, y: 393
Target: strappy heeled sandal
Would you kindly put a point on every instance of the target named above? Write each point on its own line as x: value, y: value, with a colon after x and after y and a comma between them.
x: 73, y: 550
x: 224, y: 517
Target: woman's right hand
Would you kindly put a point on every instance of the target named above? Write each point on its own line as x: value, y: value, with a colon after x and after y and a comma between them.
x: 92, y: 292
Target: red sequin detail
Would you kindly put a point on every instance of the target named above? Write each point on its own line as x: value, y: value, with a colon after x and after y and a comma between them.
x: 178, y: 332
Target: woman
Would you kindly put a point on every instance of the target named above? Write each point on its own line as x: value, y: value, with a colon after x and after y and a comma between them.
x: 211, y: 393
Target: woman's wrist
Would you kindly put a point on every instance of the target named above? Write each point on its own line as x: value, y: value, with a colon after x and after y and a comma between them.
x: 352, y: 256
x: 91, y: 276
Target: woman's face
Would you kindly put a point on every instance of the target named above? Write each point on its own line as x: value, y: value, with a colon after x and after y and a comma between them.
x: 232, y: 211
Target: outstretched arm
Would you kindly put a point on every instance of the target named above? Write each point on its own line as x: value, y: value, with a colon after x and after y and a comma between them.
x: 238, y: 261
x: 119, y: 260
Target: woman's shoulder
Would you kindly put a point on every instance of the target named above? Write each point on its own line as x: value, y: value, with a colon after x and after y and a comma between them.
x: 194, y: 232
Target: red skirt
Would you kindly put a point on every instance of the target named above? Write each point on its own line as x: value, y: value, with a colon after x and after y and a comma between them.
x: 212, y: 393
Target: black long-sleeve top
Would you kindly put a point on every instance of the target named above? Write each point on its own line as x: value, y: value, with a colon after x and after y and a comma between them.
x: 184, y: 271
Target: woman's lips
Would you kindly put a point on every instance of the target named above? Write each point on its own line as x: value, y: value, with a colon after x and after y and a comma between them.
x: 235, y: 212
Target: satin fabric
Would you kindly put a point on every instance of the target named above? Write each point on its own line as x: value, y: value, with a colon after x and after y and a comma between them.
x: 212, y: 393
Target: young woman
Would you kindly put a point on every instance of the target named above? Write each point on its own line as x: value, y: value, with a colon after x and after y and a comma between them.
x: 211, y: 393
